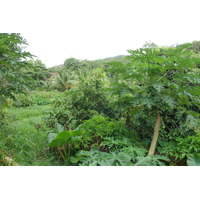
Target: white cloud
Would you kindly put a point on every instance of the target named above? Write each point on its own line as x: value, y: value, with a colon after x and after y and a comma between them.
x: 92, y: 29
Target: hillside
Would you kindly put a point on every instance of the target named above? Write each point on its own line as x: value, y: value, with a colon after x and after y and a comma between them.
x: 97, y: 62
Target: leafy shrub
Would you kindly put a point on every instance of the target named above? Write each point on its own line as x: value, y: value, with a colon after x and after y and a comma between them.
x: 80, y: 104
x: 98, y: 128
x: 94, y: 157
x: 158, y: 82
x: 44, y: 97
x: 22, y: 100
x: 181, y: 148
x: 129, y: 156
x: 107, y: 134
x: 152, y: 160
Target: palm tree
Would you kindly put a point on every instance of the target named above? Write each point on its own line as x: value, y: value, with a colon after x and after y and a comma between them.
x: 66, y: 80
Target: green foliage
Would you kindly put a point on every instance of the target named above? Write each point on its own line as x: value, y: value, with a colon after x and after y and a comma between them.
x: 45, y: 97
x: 194, y: 160
x: 181, y: 148
x: 99, y: 128
x: 94, y: 157
x: 2, y: 118
x: 65, y: 81
x: 22, y: 100
x: 60, y: 138
x: 13, y: 63
x: 34, y: 97
x: 39, y: 73
x: 72, y: 64
x: 82, y: 102
x: 104, y: 111
x: 22, y: 141
x: 163, y: 80
x: 128, y: 156
x: 195, y: 46
x: 96, y: 132
x: 152, y: 160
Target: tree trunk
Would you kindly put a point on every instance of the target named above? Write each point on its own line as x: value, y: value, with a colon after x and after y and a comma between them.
x: 155, y: 135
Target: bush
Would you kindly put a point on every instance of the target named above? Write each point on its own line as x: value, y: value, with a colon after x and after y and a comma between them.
x: 22, y: 100
x: 44, y: 97
x: 181, y: 149
x: 103, y: 132
x: 80, y: 104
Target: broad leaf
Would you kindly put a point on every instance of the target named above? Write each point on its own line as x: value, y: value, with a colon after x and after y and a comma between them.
x: 143, y: 161
x: 61, y: 138
x: 124, y: 159
x: 58, y: 128
x: 194, y: 160
x: 51, y: 137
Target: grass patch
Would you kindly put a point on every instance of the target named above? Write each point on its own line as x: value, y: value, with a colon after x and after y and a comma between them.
x: 27, y: 144
x: 45, y: 97
x: 31, y: 112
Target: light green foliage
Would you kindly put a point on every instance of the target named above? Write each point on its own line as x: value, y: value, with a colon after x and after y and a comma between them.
x: 65, y: 81
x: 22, y: 100
x: 152, y: 160
x: 194, y: 160
x: 26, y: 144
x: 34, y: 98
x: 128, y: 156
x: 94, y: 157
x: 60, y: 138
x: 45, y: 97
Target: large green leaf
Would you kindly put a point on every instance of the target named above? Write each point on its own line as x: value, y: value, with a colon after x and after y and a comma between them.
x: 58, y: 128
x: 51, y: 137
x: 194, y: 160
x: 143, y: 161
x: 124, y: 159
x: 61, y: 138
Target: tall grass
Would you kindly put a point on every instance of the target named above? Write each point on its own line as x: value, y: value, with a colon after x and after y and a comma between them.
x: 24, y: 139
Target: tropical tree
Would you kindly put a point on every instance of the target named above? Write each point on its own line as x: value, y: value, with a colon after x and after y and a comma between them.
x: 72, y: 64
x: 39, y: 72
x: 13, y: 62
x: 66, y: 80
x: 155, y: 82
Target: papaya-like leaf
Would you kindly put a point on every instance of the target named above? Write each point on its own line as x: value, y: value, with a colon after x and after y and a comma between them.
x: 124, y: 159
x: 194, y: 160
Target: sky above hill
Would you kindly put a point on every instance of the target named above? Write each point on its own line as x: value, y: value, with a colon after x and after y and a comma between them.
x: 95, y: 29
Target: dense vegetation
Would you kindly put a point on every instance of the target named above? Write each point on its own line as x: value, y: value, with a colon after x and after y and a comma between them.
x: 142, y: 109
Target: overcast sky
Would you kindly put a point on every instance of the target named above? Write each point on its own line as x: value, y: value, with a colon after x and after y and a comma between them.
x: 95, y: 29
